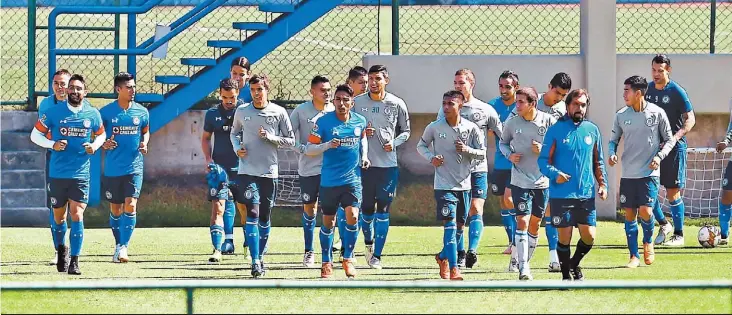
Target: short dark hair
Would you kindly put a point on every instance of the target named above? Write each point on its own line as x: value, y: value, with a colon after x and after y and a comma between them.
x: 78, y: 77
x: 379, y: 68
x: 508, y: 74
x: 122, y: 77
x: 661, y: 59
x: 577, y: 93
x: 228, y: 85
x: 637, y: 83
x: 242, y: 62
x: 357, y: 72
x: 62, y: 72
x: 529, y: 92
x: 454, y: 94
x: 561, y: 80
x: 319, y: 79
x: 344, y: 88
x: 260, y: 78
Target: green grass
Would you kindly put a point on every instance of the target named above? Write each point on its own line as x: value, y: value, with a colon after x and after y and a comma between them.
x: 181, y: 253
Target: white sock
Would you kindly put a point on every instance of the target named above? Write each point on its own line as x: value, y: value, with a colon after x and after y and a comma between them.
x: 522, y: 248
x: 533, y: 239
x: 553, y: 258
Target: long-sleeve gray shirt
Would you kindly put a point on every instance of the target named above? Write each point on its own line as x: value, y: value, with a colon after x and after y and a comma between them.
x: 261, y: 159
x: 557, y: 110
x: 303, y: 118
x: 483, y: 115
x: 386, y: 116
x: 518, y: 137
x: 644, y: 132
x: 454, y: 173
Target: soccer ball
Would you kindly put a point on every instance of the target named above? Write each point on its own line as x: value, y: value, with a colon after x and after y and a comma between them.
x: 709, y: 236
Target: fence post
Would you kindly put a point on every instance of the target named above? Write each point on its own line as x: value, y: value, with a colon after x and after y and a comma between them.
x: 189, y: 300
x: 116, y: 39
x: 132, y: 43
x: 395, y: 27
x: 712, y: 25
x: 31, y: 54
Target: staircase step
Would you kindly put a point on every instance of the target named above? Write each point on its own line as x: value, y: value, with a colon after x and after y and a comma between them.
x: 33, y: 197
x: 224, y: 44
x: 23, y: 179
x: 198, y: 62
x: 23, y: 160
x: 172, y: 79
x: 149, y: 98
x: 250, y: 26
x: 277, y: 8
x: 24, y: 216
x: 18, y: 141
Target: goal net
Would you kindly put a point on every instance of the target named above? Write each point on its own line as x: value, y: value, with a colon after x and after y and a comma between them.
x: 704, y: 175
x: 288, y: 184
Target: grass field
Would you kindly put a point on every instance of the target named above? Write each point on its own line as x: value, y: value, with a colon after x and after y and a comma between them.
x: 181, y: 253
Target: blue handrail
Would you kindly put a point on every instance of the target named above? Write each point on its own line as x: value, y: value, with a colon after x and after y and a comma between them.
x: 180, y: 20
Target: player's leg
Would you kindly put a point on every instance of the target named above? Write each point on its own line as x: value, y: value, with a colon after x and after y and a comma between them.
x: 586, y: 220
x: 562, y: 220
x: 479, y: 192
x: 247, y: 202
x: 228, y: 248
x: 78, y: 199
x: 368, y: 210
x: 523, y: 198
x: 51, y: 220
x: 725, y: 205
x: 447, y: 203
x: 350, y: 200
x: 628, y: 204
x: 539, y: 200
x: 508, y: 203
x: 329, y: 204
x: 132, y: 185
x: 113, y: 194
x: 267, y: 193
x: 552, y: 238
x: 664, y: 227
x: 216, y: 229
x: 499, y: 183
x: 58, y: 197
x: 673, y: 194
x: 647, y: 190
x: 385, y: 192
x: 309, y: 187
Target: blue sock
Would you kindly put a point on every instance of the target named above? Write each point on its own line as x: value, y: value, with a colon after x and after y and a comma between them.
x: 246, y: 239
x: 229, y: 214
x: 725, y: 211
x: 60, y: 231
x: 217, y: 233
x: 631, y: 234
x: 658, y: 212
x: 127, y: 225
x: 552, y: 236
x: 77, y: 237
x: 476, y: 230
x: 308, y: 227
x: 264, y: 228
x: 677, y: 211
x: 367, y: 226
x: 51, y: 224
x: 114, y: 225
x: 251, y: 231
x: 460, y: 239
x: 326, y: 243
x: 507, y: 220
x: 449, y: 246
x: 381, y: 229
x: 513, y: 223
x: 647, y: 230
x: 349, y: 239
x: 341, y: 221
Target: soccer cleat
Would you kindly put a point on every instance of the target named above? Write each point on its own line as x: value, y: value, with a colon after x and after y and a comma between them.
x: 508, y: 250
x: 648, y: 254
x: 368, y: 252
x: 53, y: 261
x: 374, y: 262
x: 634, y: 262
x: 525, y: 274
x: 62, y: 263
x: 337, y: 245
x: 115, y: 257
x: 227, y: 248
x: 349, y: 268
x: 471, y: 259
x: 257, y: 270
x: 455, y: 273
x: 513, y: 265
x: 554, y: 267
x: 663, y: 232
x: 461, y: 259
x: 444, y: 267
x: 123, y: 258
x: 74, y: 266
x: 676, y: 240
x: 308, y: 260
x: 215, y: 257
x: 577, y: 274
x: 326, y: 270
x: 724, y: 241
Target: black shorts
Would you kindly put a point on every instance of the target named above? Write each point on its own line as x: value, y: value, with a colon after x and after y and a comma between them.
x: 117, y: 188
x: 571, y: 212
x: 500, y: 179
x: 309, y: 189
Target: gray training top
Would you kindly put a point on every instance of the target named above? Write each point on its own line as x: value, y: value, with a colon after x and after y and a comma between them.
x: 518, y: 136
x: 261, y: 159
x: 385, y: 116
x: 644, y: 131
x: 557, y: 110
x: 454, y: 173
x: 486, y: 117
x: 303, y: 119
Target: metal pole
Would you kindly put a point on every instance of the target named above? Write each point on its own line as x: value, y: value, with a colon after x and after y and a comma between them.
x: 131, y: 43
x: 32, y: 54
x: 712, y: 25
x: 116, y: 38
x: 395, y: 27
x: 189, y: 300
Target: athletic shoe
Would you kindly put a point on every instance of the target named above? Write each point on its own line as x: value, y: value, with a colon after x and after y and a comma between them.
x: 349, y: 268
x: 62, y: 263
x: 257, y: 270
x: 74, y: 266
x: 215, y: 257
x: 455, y: 273
x: 308, y: 260
x: 724, y: 241
x: 555, y: 267
x: 648, y: 254
x: 577, y: 274
x: 123, y: 258
x: 461, y: 259
x: 663, y: 232
x: 525, y: 274
x: 227, y: 248
x: 374, y: 262
x: 676, y: 240
x: 326, y: 270
x: 53, y: 261
x: 471, y: 259
x: 634, y: 262
x: 115, y: 257
x: 444, y: 267
x: 337, y: 245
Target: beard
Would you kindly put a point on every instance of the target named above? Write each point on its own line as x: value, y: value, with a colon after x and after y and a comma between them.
x: 578, y: 117
x: 74, y: 99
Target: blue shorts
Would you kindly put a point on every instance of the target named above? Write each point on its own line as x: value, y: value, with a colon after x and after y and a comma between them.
x: 227, y: 192
x: 254, y: 190
x: 309, y: 189
x: 500, y: 179
x: 571, y: 212
x: 452, y: 205
x: 379, y: 185
x: 727, y: 179
x: 331, y: 198
x: 530, y: 201
x: 637, y: 192
x: 479, y: 185
x: 673, y: 169
x: 63, y: 189
x: 117, y: 188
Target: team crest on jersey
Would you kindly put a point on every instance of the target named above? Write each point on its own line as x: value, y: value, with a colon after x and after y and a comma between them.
x: 650, y: 121
x: 305, y: 197
x: 542, y: 130
x: 271, y: 120
x: 445, y: 211
x: 115, y: 130
x: 476, y: 116
x: 135, y: 121
x: 522, y: 206
x: 588, y: 140
x: 494, y: 187
x: 357, y: 131
x: 213, y: 192
x: 556, y: 220
x: 225, y: 128
x: 622, y: 199
x: 464, y: 135
x: 248, y: 194
x: 53, y: 201
x: 108, y: 194
x: 666, y: 99
x: 87, y: 123
x: 64, y: 131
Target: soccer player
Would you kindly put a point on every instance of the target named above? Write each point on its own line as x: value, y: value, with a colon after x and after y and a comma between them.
x: 670, y: 96
x: 483, y: 115
x: 76, y: 132
x: 60, y: 84
x: 217, y: 123
x: 129, y: 126
x: 239, y: 72
x: 725, y: 203
x: 571, y: 157
x: 357, y: 79
x: 645, y: 127
x: 340, y: 138
x: 521, y: 144
x: 303, y: 119
x: 508, y: 83
x: 456, y: 145
x: 256, y: 133
x: 386, y: 113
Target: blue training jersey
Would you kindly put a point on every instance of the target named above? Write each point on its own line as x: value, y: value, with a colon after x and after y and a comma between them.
x: 218, y: 121
x: 576, y: 150
x: 674, y: 100
x: 245, y: 95
x: 500, y: 162
x: 47, y: 103
x: 127, y: 128
x: 60, y: 123
x: 342, y: 165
